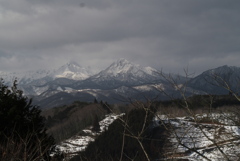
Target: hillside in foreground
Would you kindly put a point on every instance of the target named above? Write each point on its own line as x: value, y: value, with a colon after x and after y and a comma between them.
x: 161, y: 130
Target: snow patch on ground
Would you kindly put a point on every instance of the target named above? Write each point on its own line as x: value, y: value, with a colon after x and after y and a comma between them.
x: 202, y: 141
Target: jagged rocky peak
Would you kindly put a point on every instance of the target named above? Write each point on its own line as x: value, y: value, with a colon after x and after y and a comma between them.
x: 126, y: 71
x: 71, y: 66
x: 123, y: 66
x: 120, y: 66
x: 122, y: 62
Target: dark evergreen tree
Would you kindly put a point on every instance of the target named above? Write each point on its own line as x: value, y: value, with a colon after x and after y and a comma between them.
x: 106, y: 107
x: 95, y: 100
x: 22, y: 131
x: 96, y: 126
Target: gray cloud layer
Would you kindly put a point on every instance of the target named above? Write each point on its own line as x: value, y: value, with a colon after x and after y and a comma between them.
x: 168, y: 35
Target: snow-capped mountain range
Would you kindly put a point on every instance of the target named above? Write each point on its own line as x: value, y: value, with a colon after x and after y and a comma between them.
x: 118, y: 82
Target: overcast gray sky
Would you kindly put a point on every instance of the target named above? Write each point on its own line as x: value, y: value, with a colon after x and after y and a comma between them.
x: 171, y: 35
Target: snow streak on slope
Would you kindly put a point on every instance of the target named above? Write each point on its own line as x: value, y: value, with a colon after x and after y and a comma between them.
x: 79, y: 143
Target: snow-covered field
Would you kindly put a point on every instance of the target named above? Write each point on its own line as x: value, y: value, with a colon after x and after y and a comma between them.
x: 215, y: 139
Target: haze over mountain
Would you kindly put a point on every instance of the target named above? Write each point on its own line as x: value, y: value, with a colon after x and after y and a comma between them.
x: 24, y: 77
x: 72, y: 70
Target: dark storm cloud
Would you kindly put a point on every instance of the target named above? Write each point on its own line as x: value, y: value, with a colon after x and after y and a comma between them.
x: 164, y: 34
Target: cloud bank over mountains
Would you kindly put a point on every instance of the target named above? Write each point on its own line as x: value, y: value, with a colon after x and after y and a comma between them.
x: 168, y: 35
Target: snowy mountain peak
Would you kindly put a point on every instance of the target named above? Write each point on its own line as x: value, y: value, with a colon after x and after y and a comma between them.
x: 122, y: 62
x: 125, y: 66
x: 121, y: 66
x: 73, y: 64
x: 125, y: 71
x: 72, y: 70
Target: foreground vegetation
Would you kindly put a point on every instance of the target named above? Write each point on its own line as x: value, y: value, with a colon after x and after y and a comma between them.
x: 22, y: 129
